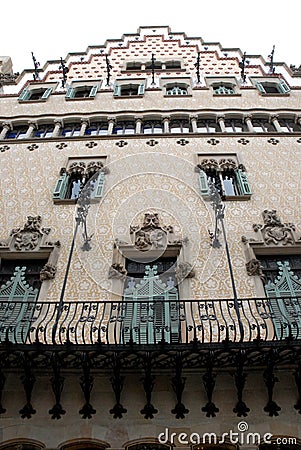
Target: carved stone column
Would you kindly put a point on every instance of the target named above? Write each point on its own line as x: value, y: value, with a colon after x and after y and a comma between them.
x: 138, y: 125
x: 58, y: 125
x: 248, y: 121
x: 166, y: 124
x: 31, y: 127
x: 274, y: 121
x: 111, y: 121
x: 84, y: 125
x: 5, y: 129
x: 221, y: 122
x: 193, y: 120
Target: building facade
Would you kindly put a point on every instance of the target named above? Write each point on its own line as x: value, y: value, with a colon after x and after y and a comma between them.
x: 150, y: 248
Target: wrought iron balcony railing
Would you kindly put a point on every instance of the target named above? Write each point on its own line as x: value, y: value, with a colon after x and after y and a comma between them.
x: 150, y: 321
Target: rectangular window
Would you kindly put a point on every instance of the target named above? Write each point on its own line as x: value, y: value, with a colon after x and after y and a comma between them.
x: 36, y: 92
x: 126, y: 89
x: 272, y: 86
x: 82, y: 91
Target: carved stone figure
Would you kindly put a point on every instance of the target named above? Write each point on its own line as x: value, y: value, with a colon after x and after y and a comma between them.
x: 117, y: 270
x: 48, y: 272
x: 184, y: 270
x: 254, y: 268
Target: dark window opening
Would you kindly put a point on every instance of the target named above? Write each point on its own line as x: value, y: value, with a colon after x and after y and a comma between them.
x: 32, y: 273
x: 129, y: 90
x: 270, y: 267
x: 17, y: 132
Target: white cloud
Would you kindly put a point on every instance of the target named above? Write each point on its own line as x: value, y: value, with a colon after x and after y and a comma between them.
x: 53, y: 29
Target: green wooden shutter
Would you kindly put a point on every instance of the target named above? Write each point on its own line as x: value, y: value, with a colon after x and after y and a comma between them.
x: 46, y: 93
x: 16, y: 314
x: 148, y: 306
x: 242, y: 182
x: 99, y: 185
x: 25, y: 95
x: 260, y: 87
x: 117, y: 90
x: 93, y: 91
x: 61, y: 186
x: 141, y: 89
x: 284, y: 298
x: 283, y: 87
x: 70, y: 92
x: 204, y: 187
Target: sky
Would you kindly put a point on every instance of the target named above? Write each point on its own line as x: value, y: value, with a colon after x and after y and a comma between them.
x: 53, y: 29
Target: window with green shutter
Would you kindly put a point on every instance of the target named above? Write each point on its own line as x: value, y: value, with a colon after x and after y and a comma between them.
x: 76, y: 176
x: 151, y: 302
x: 282, y: 284
x: 272, y: 86
x: 129, y: 89
x: 19, y: 287
x: 82, y: 91
x: 227, y: 175
x: 35, y: 93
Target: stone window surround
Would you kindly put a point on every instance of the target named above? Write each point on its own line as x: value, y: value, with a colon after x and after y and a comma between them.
x: 31, y: 242
x: 272, y: 238
x: 32, y: 87
x: 230, y: 82
x: 219, y: 117
x: 179, y: 249
x: 166, y: 83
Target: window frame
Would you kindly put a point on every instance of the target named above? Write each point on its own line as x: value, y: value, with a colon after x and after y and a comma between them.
x: 121, y: 85
x: 278, y: 83
x: 46, y: 89
x: 241, y: 183
x: 77, y: 86
x: 62, y: 185
x: 168, y: 84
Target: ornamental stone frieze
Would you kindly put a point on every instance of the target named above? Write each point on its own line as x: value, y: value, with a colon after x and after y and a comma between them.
x: 32, y: 239
x: 274, y: 232
x: 220, y: 164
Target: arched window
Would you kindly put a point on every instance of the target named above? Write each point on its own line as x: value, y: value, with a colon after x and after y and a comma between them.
x: 179, y: 126
x: 44, y: 131
x: 223, y: 89
x: 262, y: 125
x: 84, y: 444
x: 235, y: 126
x: 22, y: 444
x: 71, y: 129
x: 18, y: 132
x: 152, y: 126
x: 124, y: 127
x: 97, y: 129
x: 176, y: 89
x: 148, y: 446
x: 208, y: 126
